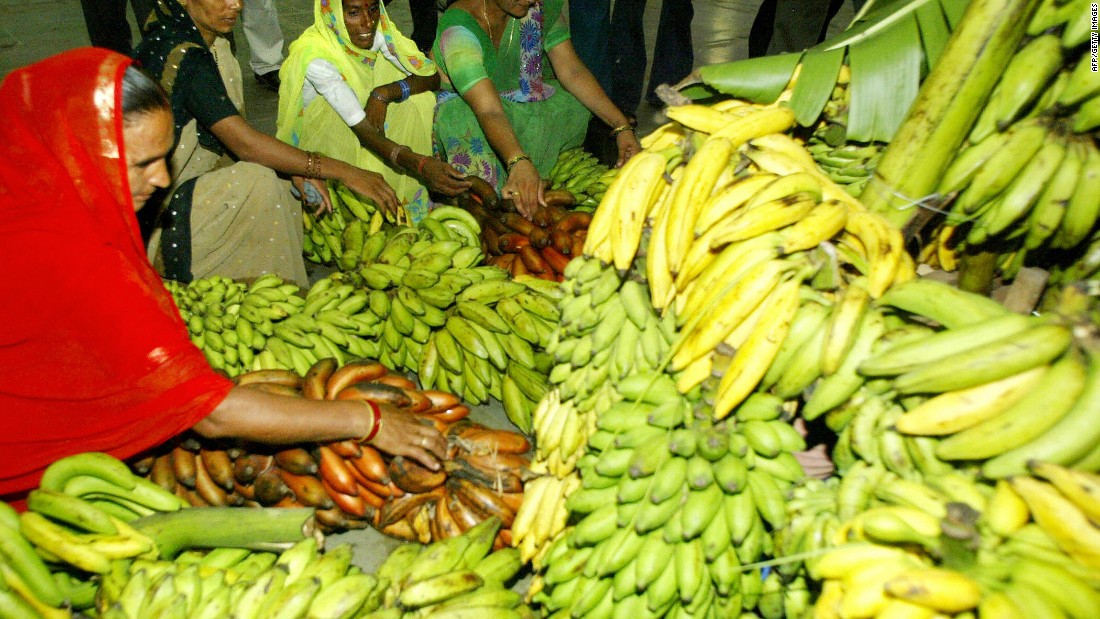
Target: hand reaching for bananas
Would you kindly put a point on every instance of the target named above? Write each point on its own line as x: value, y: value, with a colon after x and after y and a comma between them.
x: 405, y: 434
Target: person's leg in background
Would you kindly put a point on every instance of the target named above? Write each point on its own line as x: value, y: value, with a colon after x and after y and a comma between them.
x: 628, y: 55
x: 260, y: 19
x: 590, y: 27
x: 673, y: 56
x: 107, y: 25
x: 425, y: 18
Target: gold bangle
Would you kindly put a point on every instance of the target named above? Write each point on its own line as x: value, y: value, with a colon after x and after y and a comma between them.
x: 376, y: 422
x: 617, y: 130
x: 514, y: 160
x: 313, y: 165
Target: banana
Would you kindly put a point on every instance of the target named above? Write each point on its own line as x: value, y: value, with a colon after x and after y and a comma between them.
x: 752, y: 221
x: 937, y: 588
x: 884, y: 245
x: 1083, y: 207
x: 1059, y: 517
x: 942, y: 302
x: 823, y: 222
x: 729, y: 199
x: 637, y: 187
x: 1080, y: 487
x: 1017, y: 425
x: 1006, y: 513
x: 1067, y: 590
x: 1020, y: 196
x: 1050, y: 206
x: 842, y: 560
x: 1024, y: 140
x: 1028, y: 73
x: 957, y: 410
x: 1065, y: 442
x: 62, y: 543
x: 756, y: 354
x: 438, y: 588
x: 966, y: 164
x: 96, y: 464
x: 688, y: 197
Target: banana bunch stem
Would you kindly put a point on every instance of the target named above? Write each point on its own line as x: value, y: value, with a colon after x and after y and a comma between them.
x: 947, y: 105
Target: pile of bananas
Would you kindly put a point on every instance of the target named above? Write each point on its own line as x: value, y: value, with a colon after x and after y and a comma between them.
x: 540, y: 246
x: 420, y: 304
x: 304, y: 581
x: 351, y: 485
x: 848, y: 164
x: 336, y: 237
x: 670, y: 506
x: 582, y: 175
x: 949, y: 544
x: 1027, y: 179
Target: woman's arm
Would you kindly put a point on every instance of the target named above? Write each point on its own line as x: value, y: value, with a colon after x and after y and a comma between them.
x: 251, y: 145
x: 579, y: 81
x: 524, y: 185
x: 254, y: 415
x: 438, y: 175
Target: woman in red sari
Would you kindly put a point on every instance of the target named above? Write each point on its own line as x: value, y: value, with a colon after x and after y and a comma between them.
x: 93, y: 354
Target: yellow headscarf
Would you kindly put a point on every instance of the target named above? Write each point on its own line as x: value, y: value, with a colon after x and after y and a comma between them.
x: 328, y: 38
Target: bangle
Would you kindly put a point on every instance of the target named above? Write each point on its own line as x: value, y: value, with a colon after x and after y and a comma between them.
x: 313, y: 165
x: 405, y: 90
x: 514, y: 160
x: 394, y: 153
x: 420, y: 166
x: 374, y: 95
x: 617, y: 130
x: 376, y: 422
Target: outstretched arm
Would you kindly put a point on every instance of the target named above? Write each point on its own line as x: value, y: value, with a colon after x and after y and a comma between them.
x: 579, y: 81
x: 255, y: 415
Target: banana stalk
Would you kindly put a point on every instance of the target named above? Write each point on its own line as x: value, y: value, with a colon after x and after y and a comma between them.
x: 271, y: 529
x: 946, y: 107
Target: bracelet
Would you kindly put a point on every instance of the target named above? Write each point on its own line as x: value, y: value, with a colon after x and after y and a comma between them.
x: 617, y: 130
x: 394, y: 153
x: 374, y: 95
x: 420, y: 166
x: 514, y: 160
x: 313, y: 165
x: 405, y: 90
x: 376, y: 422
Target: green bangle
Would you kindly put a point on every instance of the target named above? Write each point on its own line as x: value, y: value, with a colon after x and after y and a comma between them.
x: 514, y: 160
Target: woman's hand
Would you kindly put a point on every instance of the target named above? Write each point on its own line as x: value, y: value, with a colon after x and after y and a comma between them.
x: 524, y: 188
x: 441, y: 177
x: 309, y: 196
x: 406, y: 434
x: 628, y: 146
x: 376, y: 114
x: 373, y: 186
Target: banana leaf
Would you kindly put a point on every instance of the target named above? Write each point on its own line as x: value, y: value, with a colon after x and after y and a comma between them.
x: 890, y: 46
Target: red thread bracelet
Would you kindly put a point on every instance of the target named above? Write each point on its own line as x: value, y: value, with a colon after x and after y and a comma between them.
x: 376, y: 422
x: 420, y: 166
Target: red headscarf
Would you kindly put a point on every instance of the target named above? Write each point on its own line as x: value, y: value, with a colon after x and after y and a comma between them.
x: 93, y: 354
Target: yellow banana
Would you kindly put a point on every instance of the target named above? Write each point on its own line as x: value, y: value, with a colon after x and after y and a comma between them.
x: 1062, y: 519
x: 938, y: 588
x: 958, y: 410
x: 1080, y: 487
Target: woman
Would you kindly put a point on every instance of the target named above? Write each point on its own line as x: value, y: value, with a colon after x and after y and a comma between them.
x: 93, y: 354
x: 228, y: 213
x: 491, y: 54
x: 353, y: 69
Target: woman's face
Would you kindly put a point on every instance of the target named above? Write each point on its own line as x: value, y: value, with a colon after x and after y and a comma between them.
x: 361, y: 20
x: 213, y: 17
x: 147, y: 138
x: 515, y: 8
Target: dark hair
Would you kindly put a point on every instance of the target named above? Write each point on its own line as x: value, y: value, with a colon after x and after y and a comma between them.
x: 141, y: 94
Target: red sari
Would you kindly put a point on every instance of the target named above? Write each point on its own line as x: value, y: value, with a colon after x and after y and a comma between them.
x: 93, y: 354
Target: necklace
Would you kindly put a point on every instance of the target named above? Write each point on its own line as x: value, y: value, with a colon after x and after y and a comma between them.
x: 489, y: 27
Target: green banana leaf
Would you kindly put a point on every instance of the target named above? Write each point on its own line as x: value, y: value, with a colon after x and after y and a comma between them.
x: 889, y: 47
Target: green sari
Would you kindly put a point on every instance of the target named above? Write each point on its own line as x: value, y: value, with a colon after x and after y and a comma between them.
x: 318, y: 127
x: 545, y: 117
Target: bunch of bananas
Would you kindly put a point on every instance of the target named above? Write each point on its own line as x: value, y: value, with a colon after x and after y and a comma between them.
x: 337, y: 237
x: 947, y: 544
x: 730, y: 245
x: 303, y: 581
x: 349, y: 485
x: 1027, y: 179
x: 660, y: 482
x: 848, y: 165
x: 582, y: 175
